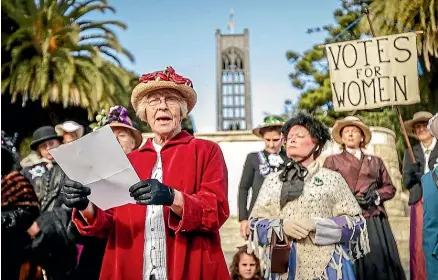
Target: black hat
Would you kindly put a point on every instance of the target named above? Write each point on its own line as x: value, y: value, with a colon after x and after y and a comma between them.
x: 43, y: 134
x: 315, y: 127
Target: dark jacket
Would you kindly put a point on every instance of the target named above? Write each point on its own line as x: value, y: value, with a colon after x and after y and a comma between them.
x: 19, y: 208
x: 251, y: 179
x: 54, y: 247
x: 47, y: 183
x: 90, y: 262
x: 360, y: 175
x: 411, y: 181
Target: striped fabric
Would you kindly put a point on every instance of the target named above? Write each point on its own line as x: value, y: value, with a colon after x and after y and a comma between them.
x: 154, y: 256
x: 17, y: 191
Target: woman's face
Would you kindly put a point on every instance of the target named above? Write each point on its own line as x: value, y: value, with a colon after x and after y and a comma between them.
x: 43, y: 148
x: 422, y: 132
x: 163, y: 113
x: 352, y: 137
x: 125, y: 138
x: 272, y: 140
x: 69, y: 137
x: 299, y: 143
x: 247, y: 266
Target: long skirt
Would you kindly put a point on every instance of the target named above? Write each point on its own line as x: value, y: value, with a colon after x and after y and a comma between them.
x: 383, y: 261
x: 417, y: 261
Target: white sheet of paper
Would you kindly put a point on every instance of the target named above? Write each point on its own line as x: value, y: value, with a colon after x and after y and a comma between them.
x: 97, y: 161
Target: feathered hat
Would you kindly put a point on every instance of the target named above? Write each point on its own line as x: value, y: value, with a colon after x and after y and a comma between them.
x: 117, y: 117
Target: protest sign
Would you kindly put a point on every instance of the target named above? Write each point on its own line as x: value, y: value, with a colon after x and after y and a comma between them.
x: 373, y: 73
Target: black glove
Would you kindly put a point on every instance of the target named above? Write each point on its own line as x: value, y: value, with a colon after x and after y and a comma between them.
x: 20, y: 218
x: 75, y: 194
x: 416, y: 172
x: 368, y: 200
x: 152, y: 192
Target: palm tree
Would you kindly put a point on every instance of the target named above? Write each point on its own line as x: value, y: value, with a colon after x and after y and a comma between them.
x: 60, y: 56
x: 396, y: 16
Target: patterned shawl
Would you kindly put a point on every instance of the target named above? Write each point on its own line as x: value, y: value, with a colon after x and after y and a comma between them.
x: 325, y: 194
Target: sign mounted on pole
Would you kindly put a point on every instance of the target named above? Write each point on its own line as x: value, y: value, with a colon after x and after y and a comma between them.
x: 374, y: 72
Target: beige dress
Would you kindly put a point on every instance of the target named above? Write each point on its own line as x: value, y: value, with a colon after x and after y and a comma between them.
x: 325, y: 195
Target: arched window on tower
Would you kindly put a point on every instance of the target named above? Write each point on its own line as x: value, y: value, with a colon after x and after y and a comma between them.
x: 232, y: 60
x: 225, y: 62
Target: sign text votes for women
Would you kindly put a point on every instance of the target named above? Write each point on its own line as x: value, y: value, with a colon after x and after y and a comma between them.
x: 374, y: 72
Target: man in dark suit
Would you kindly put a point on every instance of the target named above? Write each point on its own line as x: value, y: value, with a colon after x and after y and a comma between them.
x: 426, y: 157
x: 258, y: 165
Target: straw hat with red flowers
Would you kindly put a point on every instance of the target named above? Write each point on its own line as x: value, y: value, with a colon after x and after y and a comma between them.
x: 167, y: 79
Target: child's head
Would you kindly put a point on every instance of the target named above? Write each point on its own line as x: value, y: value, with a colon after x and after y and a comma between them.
x: 245, y: 266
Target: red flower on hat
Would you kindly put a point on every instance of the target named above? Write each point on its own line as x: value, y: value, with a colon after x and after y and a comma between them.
x: 180, y: 79
x: 167, y: 75
x: 170, y: 70
x: 162, y: 76
x: 147, y: 77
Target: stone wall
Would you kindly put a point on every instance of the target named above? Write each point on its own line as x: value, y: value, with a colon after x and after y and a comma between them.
x: 237, y: 144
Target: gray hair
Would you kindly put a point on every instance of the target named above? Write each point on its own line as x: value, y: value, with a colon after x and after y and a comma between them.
x: 141, y: 108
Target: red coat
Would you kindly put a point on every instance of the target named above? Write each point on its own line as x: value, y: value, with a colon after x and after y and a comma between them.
x: 196, y: 168
x: 360, y: 174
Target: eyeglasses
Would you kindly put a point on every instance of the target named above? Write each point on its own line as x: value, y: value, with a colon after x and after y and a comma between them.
x: 170, y: 101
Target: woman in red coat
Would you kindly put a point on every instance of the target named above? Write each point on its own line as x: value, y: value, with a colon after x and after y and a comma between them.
x: 173, y: 231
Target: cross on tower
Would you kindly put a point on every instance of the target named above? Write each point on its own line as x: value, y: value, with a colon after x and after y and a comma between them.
x: 231, y: 22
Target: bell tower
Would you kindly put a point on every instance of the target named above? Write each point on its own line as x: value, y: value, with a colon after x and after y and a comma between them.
x: 234, y: 111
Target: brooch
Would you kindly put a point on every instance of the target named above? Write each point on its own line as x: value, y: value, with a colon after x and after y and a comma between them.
x: 37, y: 171
x: 318, y: 181
x: 275, y: 160
x: 264, y: 169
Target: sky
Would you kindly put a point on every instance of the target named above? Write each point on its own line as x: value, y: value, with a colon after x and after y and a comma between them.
x: 181, y: 34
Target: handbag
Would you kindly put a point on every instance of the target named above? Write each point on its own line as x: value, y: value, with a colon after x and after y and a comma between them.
x: 280, y: 251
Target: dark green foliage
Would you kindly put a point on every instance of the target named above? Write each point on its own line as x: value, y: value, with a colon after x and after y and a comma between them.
x: 310, y: 74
